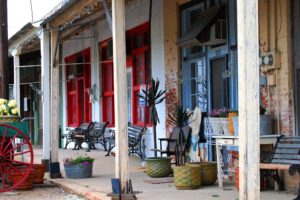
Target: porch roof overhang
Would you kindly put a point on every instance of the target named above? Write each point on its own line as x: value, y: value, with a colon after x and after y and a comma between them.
x: 199, y: 32
x: 26, y: 39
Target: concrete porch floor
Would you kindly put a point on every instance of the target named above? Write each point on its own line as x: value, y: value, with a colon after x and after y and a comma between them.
x: 103, y: 170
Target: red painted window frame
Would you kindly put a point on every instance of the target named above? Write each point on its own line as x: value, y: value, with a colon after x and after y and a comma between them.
x: 108, y: 113
x: 144, y: 52
x: 83, y: 112
x: 130, y: 63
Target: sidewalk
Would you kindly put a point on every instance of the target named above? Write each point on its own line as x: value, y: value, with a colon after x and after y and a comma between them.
x: 99, y: 185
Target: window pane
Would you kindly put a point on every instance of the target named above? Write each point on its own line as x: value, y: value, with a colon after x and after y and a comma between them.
x: 194, y: 101
x: 129, y: 96
x: 138, y: 41
x: 193, y: 86
x: 108, y: 109
x: 107, y: 72
x: 193, y: 70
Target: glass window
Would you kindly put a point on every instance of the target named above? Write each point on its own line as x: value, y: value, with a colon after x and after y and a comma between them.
x: 78, y: 82
x: 129, y: 95
x: 197, y: 84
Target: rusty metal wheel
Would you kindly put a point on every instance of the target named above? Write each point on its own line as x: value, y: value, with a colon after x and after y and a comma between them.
x: 16, y: 156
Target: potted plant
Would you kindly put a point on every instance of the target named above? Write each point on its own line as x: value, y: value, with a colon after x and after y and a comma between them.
x: 79, y: 167
x: 38, y: 173
x: 179, y: 119
x: 185, y: 176
x: 155, y: 166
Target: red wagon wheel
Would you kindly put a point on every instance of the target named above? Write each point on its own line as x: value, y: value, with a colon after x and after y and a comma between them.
x: 14, y: 157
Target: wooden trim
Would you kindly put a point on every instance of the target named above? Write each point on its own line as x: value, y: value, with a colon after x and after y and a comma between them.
x: 273, y: 166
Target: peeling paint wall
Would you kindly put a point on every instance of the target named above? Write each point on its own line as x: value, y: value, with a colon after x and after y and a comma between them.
x: 275, y: 36
x: 172, y: 56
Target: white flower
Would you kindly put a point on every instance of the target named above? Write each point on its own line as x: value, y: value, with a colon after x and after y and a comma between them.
x: 12, y: 103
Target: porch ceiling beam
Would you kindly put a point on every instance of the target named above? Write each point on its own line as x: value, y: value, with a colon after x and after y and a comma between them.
x: 248, y: 84
x: 120, y: 95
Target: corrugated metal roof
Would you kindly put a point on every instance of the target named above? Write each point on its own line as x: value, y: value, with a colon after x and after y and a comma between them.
x: 25, y: 29
x: 66, y: 5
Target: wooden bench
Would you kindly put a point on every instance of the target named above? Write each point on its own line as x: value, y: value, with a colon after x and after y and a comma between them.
x: 285, y: 156
x: 136, y: 145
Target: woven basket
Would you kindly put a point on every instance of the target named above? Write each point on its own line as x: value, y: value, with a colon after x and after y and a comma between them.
x: 208, y: 172
x: 9, y: 119
x: 158, y: 167
x: 187, y: 177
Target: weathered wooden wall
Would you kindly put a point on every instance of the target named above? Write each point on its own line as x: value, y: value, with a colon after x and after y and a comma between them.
x: 276, y: 34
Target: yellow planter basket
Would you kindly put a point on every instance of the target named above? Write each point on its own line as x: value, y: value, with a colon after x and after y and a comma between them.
x: 208, y: 172
x: 187, y: 177
x: 9, y: 119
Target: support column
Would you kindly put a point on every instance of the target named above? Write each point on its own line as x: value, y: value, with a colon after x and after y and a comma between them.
x: 248, y: 88
x: 45, y: 79
x: 16, y: 54
x: 95, y: 76
x: 54, y: 96
x: 120, y: 94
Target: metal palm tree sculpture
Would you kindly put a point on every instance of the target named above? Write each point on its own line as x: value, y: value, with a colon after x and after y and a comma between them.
x: 152, y: 97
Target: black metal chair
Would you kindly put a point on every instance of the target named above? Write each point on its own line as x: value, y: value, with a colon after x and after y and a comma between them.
x: 96, y: 135
x: 173, y: 147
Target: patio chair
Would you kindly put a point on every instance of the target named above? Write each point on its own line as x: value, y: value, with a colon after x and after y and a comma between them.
x: 96, y: 135
x: 172, y: 147
x: 80, y: 134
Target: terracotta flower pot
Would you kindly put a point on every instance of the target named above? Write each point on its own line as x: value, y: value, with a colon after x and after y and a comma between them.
x: 38, y: 173
x: 16, y: 176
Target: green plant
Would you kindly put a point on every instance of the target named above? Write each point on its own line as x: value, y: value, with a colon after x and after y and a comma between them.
x: 152, y: 97
x: 78, y: 160
x: 262, y: 110
x: 180, y: 118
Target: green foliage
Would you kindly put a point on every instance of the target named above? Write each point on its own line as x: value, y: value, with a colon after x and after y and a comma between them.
x: 77, y: 160
x: 152, y: 97
x: 262, y: 110
x: 179, y: 117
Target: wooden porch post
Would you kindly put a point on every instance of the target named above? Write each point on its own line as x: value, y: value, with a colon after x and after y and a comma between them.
x: 54, y: 96
x: 120, y: 94
x: 16, y: 54
x: 248, y: 84
x: 45, y: 79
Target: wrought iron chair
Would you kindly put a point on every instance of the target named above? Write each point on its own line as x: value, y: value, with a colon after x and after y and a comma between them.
x: 173, y: 147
